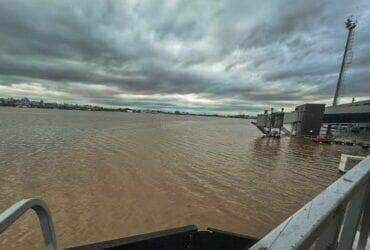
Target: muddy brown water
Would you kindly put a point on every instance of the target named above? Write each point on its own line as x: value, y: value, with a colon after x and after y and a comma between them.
x: 107, y: 175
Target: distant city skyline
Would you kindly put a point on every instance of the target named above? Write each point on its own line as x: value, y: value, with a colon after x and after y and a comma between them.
x: 27, y: 103
x: 225, y: 57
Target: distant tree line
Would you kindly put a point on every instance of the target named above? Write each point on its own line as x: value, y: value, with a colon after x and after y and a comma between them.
x: 27, y: 103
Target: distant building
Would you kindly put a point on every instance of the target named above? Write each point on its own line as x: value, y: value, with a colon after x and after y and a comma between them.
x: 355, y: 112
x: 306, y: 119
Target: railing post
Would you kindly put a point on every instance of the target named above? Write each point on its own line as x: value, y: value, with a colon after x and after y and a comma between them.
x: 329, y: 238
x: 365, y: 224
x: 351, y: 219
x: 13, y: 213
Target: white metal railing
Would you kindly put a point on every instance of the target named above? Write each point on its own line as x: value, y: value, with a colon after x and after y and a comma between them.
x: 9, y: 216
x: 331, y: 220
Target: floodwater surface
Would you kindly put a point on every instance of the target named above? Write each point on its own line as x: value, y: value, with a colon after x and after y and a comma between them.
x: 107, y: 175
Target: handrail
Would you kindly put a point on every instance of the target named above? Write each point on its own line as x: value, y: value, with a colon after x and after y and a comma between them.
x: 331, y: 219
x: 13, y: 213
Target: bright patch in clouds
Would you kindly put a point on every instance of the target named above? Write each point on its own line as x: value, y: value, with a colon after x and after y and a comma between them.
x: 34, y: 90
x: 176, y: 98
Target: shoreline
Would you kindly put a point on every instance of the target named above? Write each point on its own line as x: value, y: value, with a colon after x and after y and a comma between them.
x: 26, y: 103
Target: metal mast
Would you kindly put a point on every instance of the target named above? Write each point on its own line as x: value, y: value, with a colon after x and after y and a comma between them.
x: 347, y: 57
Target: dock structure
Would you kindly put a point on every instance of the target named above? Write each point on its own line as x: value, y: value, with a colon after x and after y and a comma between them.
x: 348, y: 123
x: 306, y: 119
x: 270, y: 124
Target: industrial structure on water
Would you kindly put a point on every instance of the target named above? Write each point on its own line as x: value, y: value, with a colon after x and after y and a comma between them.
x: 345, y: 123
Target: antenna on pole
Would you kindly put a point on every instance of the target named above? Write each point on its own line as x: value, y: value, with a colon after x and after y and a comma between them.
x: 347, y: 56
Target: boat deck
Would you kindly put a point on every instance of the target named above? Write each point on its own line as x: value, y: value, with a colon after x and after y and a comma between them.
x: 186, y: 238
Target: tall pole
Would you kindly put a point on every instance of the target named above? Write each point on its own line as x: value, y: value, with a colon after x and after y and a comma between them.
x: 350, y: 25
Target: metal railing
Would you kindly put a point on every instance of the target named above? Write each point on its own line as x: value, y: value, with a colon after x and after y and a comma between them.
x: 13, y: 213
x: 331, y: 220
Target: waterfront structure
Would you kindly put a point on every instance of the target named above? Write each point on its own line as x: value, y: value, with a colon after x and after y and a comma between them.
x: 314, y: 119
x: 305, y: 120
x: 349, y: 113
x: 270, y: 124
x: 348, y: 123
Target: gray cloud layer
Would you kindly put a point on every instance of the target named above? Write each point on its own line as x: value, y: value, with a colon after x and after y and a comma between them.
x: 224, y: 56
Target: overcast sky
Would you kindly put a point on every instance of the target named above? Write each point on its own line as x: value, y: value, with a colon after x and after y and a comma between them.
x: 200, y: 56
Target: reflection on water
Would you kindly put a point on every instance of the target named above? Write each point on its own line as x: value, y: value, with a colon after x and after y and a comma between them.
x: 108, y: 175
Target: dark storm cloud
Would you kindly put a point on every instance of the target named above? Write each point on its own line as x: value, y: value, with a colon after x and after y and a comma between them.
x: 219, y: 56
